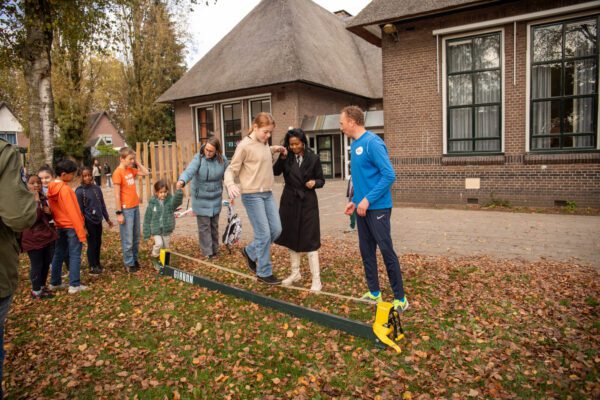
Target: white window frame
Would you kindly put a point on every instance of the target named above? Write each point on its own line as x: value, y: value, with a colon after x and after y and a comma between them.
x: 530, y: 26
x: 12, y: 133
x: 250, y: 106
x: 221, y: 105
x: 445, y: 85
x: 107, y: 139
x: 195, y: 118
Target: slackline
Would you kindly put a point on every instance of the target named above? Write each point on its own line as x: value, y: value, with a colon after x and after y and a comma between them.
x: 247, y: 276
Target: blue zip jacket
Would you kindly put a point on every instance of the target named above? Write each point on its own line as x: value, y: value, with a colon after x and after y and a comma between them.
x: 206, y: 189
x: 372, y: 172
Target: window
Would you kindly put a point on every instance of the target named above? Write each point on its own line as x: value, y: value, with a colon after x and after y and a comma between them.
x: 257, y: 106
x: 232, y: 127
x: 107, y: 139
x: 10, y: 137
x: 564, y: 77
x: 474, y: 94
x: 205, y: 123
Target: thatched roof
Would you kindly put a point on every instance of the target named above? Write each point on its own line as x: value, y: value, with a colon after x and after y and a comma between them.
x: 283, y: 41
x: 383, y: 11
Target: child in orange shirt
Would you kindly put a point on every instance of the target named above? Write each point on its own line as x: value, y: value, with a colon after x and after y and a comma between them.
x: 69, y: 225
x: 127, y: 204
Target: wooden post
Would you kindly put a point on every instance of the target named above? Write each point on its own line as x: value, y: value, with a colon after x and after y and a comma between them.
x: 155, y: 167
x: 181, y: 166
x: 175, y: 171
x: 160, y: 158
x: 147, y: 177
x: 138, y: 159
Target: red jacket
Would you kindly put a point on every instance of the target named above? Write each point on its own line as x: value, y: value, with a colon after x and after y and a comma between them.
x: 41, y: 234
x: 65, y: 208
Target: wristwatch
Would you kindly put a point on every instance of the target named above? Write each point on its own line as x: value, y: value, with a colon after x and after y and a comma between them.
x: 119, y: 212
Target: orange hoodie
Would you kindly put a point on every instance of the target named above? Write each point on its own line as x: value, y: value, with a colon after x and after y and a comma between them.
x: 65, y: 208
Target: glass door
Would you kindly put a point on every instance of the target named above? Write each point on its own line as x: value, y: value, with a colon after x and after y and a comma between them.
x: 325, y: 152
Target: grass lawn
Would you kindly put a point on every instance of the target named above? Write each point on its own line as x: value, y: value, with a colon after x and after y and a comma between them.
x: 477, y: 328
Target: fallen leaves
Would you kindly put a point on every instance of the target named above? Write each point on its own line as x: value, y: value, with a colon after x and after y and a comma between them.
x: 477, y: 328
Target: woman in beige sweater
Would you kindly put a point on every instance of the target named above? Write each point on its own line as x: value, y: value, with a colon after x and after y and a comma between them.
x: 252, y: 162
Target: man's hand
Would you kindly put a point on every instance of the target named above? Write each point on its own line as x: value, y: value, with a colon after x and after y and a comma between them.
x: 310, y: 184
x: 362, y: 207
x: 110, y: 223
x: 349, y: 208
x: 179, y: 185
x: 234, y: 191
x: 120, y: 219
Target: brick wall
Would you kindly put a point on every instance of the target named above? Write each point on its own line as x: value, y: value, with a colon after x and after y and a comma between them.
x: 289, y: 104
x: 414, y: 129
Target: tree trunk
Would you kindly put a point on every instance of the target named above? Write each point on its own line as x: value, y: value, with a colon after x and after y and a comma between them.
x: 37, y: 71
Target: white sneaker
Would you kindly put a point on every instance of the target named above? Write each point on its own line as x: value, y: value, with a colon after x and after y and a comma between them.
x: 77, y: 289
x: 58, y: 287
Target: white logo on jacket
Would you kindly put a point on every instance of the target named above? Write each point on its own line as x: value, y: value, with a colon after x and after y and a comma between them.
x: 359, y: 150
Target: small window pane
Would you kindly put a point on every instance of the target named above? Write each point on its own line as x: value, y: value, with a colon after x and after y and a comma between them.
x: 237, y: 111
x: 546, y: 117
x: 487, y: 121
x: 578, y: 115
x: 487, y: 52
x: 461, y: 146
x: 547, y: 43
x: 460, y: 90
x: 580, y: 77
x: 460, y: 122
x: 580, y: 38
x: 545, y: 81
x: 459, y: 56
x: 583, y: 141
x: 487, y: 87
x: 487, y: 145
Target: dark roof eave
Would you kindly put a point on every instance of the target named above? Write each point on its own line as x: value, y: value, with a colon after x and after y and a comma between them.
x: 411, y: 17
x: 365, y: 34
x: 172, y: 101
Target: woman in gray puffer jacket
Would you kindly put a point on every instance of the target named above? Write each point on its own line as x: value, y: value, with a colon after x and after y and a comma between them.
x: 206, y: 173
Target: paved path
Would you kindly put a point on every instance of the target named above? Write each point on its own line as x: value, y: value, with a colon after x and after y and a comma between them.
x: 450, y: 231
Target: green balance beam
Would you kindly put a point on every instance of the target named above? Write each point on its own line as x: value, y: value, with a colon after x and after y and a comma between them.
x: 354, y: 328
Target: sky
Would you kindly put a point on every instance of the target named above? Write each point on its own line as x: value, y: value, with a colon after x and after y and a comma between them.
x: 207, y: 25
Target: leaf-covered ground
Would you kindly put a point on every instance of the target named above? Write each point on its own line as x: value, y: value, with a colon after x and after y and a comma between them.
x: 477, y: 328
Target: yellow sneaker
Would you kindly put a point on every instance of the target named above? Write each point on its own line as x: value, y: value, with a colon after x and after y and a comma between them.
x: 400, y: 305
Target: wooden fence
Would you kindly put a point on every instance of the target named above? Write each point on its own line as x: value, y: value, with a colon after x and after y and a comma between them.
x: 165, y: 160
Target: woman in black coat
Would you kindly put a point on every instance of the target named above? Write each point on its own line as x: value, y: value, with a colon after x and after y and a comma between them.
x: 299, y: 207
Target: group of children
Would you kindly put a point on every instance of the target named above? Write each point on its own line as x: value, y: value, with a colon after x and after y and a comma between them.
x: 67, y: 218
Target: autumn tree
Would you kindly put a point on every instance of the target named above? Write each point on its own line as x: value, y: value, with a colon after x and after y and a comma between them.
x: 154, y: 60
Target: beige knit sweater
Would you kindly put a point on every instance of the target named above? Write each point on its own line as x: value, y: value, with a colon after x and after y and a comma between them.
x: 252, y: 162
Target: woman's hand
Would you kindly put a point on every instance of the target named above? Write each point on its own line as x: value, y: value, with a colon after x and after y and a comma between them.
x: 180, y: 185
x: 234, y: 191
x: 310, y: 184
x: 120, y: 219
x: 282, y: 151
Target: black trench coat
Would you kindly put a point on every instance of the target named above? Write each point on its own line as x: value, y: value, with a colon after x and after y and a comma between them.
x: 299, y: 207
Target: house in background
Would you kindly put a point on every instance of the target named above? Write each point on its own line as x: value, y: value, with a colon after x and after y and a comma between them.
x: 11, y: 129
x: 101, y: 131
x: 490, y: 99
x: 291, y: 58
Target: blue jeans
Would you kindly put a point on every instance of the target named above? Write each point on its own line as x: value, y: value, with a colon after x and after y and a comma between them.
x: 67, y: 244
x: 4, y: 306
x: 264, y: 217
x: 130, y: 235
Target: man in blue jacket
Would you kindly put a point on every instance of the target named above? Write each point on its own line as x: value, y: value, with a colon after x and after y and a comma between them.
x: 372, y: 176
